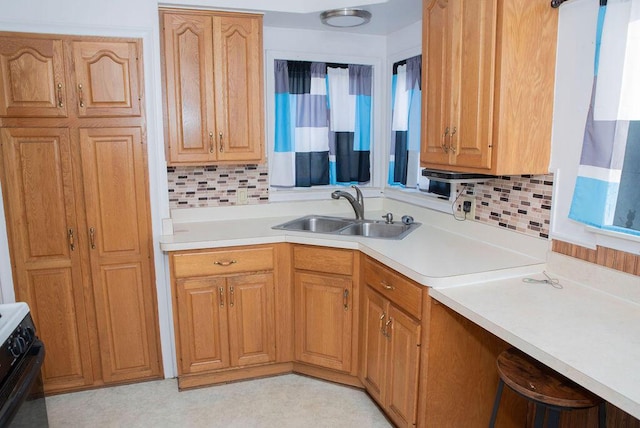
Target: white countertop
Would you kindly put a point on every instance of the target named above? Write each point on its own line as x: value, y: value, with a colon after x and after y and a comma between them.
x: 589, y: 330
x: 439, y: 253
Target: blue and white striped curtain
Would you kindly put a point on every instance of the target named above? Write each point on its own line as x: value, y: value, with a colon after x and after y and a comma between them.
x: 613, y: 121
x: 406, y: 93
x: 322, y: 124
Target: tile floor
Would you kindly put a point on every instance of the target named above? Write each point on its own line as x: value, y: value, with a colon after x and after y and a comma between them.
x: 282, y: 401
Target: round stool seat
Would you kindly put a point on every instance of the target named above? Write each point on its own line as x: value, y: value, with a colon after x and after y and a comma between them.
x: 538, y: 382
x: 547, y: 390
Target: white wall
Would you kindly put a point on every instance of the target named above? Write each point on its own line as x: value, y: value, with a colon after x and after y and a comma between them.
x: 574, y: 79
x: 122, y: 18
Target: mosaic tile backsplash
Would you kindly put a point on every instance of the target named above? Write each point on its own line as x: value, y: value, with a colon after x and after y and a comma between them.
x: 519, y: 203
x: 216, y: 185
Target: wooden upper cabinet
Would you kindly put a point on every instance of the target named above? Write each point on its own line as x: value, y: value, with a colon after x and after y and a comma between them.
x: 189, y: 89
x: 106, y: 78
x: 489, y: 85
x: 238, y: 64
x: 213, y: 87
x: 32, y: 78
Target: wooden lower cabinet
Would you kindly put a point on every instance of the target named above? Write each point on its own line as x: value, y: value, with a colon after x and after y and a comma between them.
x: 390, y: 356
x: 325, y: 297
x: 224, y: 311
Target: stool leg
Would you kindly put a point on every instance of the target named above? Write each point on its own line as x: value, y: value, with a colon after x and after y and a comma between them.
x: 553, y: 418
x: 602, y: 415
x: 538, y: 421
x: 496, y: 404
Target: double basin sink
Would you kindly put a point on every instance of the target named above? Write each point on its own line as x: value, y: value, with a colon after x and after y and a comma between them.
x: 349, y: 227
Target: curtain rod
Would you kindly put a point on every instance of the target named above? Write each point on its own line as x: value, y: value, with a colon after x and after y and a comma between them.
x: 556, y: 3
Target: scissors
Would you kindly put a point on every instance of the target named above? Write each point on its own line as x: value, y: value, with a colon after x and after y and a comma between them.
x: 554, y: 282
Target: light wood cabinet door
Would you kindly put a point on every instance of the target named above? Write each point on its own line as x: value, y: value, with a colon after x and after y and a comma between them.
x: 374, y: 353
x: 41, y: 210
x: 213, y: 85
x: 438, y: 25
x: 203, y: 343
x: 460, y: 39
x: 401, y: 397
x: 251, y: 319
x: 189, y: 88
x: 32, y: 78
x: 489, y: 78
x: 237, y: 44
x: 323, y: 320
x: 106, y: 78
x: 118, y: 232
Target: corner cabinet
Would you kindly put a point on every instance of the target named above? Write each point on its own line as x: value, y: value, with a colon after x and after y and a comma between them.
x: 488, y: 73
x: 213, y: 87
x: 325, y: 296
x: 391, y: 337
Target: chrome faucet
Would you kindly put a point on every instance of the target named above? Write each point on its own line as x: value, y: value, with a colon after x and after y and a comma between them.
x: 357, y: 203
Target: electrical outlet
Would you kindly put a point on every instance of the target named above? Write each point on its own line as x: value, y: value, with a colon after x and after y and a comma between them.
x: 466, y: 207
x: 241, y: 195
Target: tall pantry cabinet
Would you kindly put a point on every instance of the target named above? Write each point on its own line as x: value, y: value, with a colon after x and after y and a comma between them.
x: 74, y: 183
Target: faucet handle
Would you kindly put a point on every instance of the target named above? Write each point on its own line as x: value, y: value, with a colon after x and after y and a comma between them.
x: 359, y: 196
x: 388, y: 218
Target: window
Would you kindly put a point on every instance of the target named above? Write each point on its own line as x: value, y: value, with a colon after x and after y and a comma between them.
x: 607, y: 194
x: 323, y: 114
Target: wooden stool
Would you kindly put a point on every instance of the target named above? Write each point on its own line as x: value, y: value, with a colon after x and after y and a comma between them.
x: 548, y: 390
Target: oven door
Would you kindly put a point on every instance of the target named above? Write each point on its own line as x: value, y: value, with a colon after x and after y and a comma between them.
x: 22, y: 393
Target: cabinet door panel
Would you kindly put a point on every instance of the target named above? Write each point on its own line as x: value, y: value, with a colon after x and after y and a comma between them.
x: 106, y: 78
x: 402, y: 372
x: 32, y: 81
x: 436, y: 126
x: 120, y: 247
x: 238, y: 71
x: 40, y: 208
x: 375, y: 315
x: 473, y: 88
x: 202, y: 324
x: 251, y: 319
x: 323, y: 326
x: 189, y: 88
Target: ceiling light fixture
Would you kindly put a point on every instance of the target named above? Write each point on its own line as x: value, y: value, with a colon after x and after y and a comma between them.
x: 345, y: 17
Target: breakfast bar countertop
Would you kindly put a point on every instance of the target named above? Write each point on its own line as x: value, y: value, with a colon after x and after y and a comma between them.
x: 587, y: 330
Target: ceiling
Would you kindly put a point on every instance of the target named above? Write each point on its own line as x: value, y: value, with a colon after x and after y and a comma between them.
x: 387, y: 17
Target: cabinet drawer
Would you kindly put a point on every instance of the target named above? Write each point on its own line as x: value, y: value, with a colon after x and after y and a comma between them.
x: 394, y: 287
x: 329, y: 260
x: 221, y: 262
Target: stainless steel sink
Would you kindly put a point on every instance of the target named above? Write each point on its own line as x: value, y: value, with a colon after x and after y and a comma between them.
x: 313, y: 223
x: 378, y: 230
x: 348, y: 227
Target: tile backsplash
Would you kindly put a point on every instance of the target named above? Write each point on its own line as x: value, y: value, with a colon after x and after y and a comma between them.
x: 216, y: 185
x: 519, y: 203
